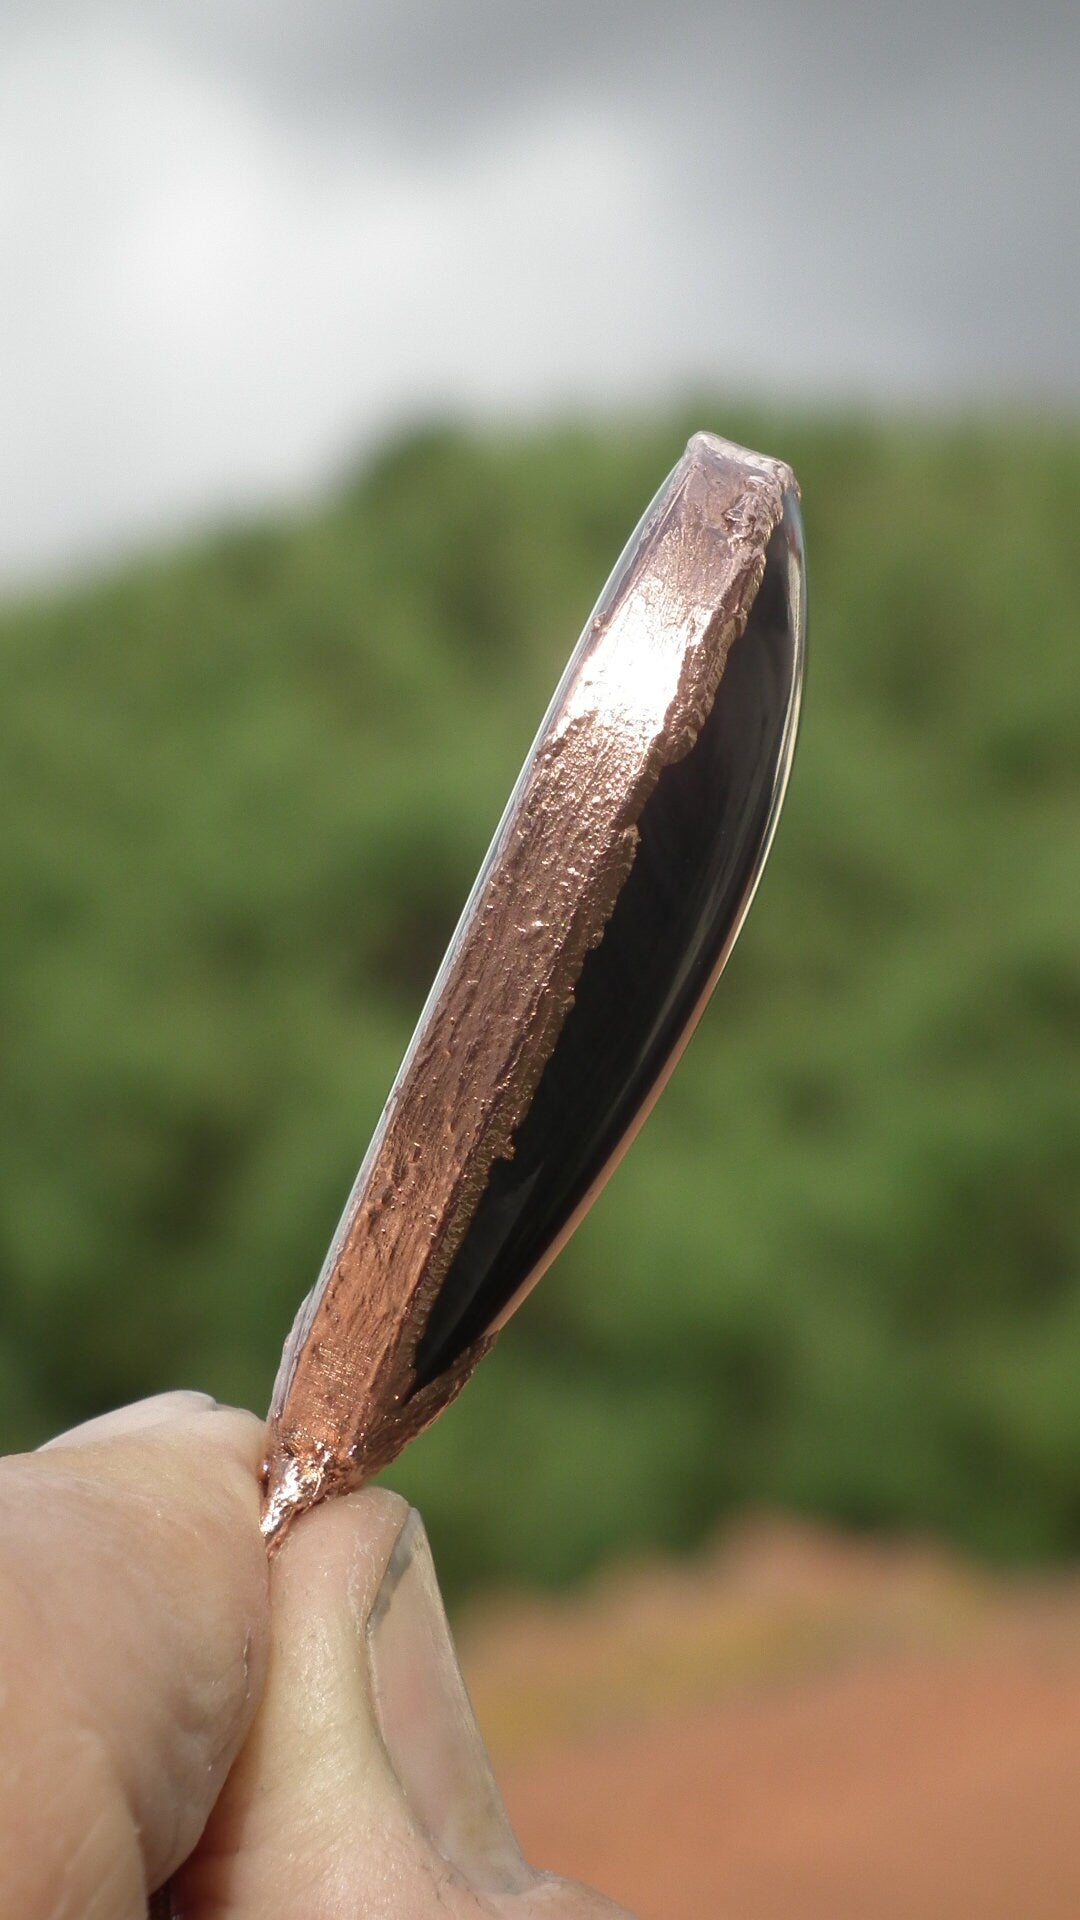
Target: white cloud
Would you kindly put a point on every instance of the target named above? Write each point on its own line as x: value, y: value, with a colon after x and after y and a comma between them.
x: 213, y: 293
x: 210, y: 308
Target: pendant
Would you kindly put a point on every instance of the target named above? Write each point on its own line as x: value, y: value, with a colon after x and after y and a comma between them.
x: 612, y: 894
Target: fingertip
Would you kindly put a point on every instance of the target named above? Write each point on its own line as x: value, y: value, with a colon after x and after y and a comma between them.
x: 241, y: 1431
x: 364, y: 1785
x: 135, y: 1543
x: 340, y: 1549
x: 155, y: 1411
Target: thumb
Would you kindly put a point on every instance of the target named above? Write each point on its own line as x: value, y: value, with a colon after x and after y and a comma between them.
x: 364, y: 1786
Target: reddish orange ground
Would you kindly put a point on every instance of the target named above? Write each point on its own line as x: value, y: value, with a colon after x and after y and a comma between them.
x: 800, y: 1728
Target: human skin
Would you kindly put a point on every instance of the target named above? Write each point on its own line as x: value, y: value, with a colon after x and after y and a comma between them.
x: 292, y: 1740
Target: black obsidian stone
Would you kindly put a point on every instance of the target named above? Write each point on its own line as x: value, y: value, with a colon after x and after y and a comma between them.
x: 704, y: 833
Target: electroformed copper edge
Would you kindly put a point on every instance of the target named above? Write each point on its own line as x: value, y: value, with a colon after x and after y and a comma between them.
x: 640, y: 685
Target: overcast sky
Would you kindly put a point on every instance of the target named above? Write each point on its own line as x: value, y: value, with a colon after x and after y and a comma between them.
x: 243, y: 239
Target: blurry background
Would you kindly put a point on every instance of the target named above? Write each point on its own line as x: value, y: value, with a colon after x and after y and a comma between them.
x: 341, y: 346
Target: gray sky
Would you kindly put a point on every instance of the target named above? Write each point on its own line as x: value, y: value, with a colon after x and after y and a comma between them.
x: 242, y: 239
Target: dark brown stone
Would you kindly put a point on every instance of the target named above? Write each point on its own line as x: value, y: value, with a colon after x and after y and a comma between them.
x: 704, y: 832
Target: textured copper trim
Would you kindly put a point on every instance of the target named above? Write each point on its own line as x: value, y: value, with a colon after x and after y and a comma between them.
x: 632, y: 700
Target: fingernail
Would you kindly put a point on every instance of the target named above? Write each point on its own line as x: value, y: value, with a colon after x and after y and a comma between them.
x: 428, y: 1726
x: 153, y: 1412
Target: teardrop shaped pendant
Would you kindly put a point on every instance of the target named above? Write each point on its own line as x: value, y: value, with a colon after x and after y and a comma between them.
x: 612, y: 894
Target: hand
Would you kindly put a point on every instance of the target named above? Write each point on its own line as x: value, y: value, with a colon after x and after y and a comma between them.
x: 142, y: 1643
x: 364, y: 1787
x: 134, y: 1635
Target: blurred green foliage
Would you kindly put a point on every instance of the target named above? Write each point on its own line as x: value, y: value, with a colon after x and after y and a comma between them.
x: 244, y: 790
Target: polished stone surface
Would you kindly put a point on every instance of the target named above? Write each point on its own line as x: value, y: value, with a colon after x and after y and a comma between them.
x: 704, y: 833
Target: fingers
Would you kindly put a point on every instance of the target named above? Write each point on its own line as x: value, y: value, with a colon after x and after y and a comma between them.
x: 364, y: 1787
x: 134, y: 1626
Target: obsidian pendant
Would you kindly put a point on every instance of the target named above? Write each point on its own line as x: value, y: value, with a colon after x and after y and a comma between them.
x: 614, y: 889
x: 703, y: 831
